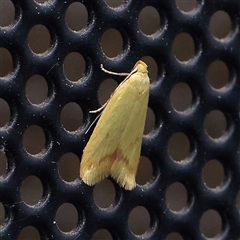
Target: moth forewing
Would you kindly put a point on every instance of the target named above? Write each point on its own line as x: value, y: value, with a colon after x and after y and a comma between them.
x: 115, y: 144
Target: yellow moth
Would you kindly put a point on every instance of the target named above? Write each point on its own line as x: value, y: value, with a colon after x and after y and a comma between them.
x: 115, y: 144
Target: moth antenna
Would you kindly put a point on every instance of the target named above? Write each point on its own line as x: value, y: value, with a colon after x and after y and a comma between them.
x: 113, y: 73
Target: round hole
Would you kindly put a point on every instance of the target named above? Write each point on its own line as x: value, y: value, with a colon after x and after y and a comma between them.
x: 218, y: 74
x: 174, y: 236
x: 150, y: 121
x: 184, y: 47
x: 29, y: 232
x: 42, y: 2
x: 34, y: 140
x: 36, y: 89
x: 67, y: 217
x: 74, y: 66
x: 186, y: 6
x: 108, y: 38
x: 102, y: 234
x: 6, y: 62
x: 211, y: 224
x: 181, y: 97
x: 4, y: 113
x: 238, y: 152
x: 3, y: 161
x: 39, y: 39
x: 71, y: 117
x: 7, y: 11
x: 2, y: 215
x: 220, y: 24
x: 179, y: 147
x: 153, y: 70
x: 69, y: 167
x: 238, y: 201
x: 213, y: 174
x: 176, y: 197
x: 31, y: 190
x: 215, y: 124
x: 145, y: 171
x: 76, y: 16
x: 149, y: 20
x: 115, y: 3
x: 106, y: 88
x: 104, y: 194
x: 139, y: 220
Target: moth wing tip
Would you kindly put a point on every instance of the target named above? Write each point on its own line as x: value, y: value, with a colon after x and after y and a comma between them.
x: 92, y: 177
x: 126, y: 181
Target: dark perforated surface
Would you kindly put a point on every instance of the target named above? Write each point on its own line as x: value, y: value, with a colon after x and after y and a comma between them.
x: 168, y: 121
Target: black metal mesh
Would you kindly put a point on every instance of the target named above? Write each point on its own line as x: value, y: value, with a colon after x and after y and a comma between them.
x: 168, y: 121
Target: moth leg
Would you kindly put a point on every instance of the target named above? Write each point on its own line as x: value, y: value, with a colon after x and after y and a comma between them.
x: 98, y: 116
x: 99, y: 109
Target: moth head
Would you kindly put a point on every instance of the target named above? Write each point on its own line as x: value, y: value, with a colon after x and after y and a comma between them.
x: 141, y: 66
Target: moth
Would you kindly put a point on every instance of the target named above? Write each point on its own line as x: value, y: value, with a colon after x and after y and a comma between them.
x: 115, y: 145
